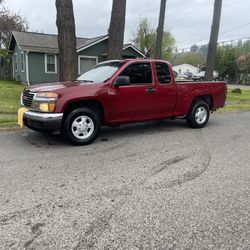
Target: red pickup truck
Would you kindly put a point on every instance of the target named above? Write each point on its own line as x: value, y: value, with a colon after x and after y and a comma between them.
x: 118, y: 92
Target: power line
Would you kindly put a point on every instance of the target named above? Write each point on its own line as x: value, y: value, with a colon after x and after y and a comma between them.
x: 232, y: 3
x: 226, y: 31
x: 222, y: 42
x: 240, y: 26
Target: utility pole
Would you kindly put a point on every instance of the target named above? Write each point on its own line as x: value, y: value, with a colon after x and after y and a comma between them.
x: 160, y: 30
x: 212, y: 47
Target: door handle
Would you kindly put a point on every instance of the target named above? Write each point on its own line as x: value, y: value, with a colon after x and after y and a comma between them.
x: 151, y: 90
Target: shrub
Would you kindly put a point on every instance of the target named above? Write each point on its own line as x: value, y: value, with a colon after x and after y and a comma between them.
x: 236, y: 91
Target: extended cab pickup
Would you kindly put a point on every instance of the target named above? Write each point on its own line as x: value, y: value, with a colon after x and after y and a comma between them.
x: 118, y: 92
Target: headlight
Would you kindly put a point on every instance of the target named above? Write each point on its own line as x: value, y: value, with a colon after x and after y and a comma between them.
x: 43, y: 106
x: 44, y: 101
x: 46, y: 95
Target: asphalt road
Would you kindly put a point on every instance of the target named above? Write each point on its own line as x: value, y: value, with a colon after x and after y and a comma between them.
x: 157, y: 185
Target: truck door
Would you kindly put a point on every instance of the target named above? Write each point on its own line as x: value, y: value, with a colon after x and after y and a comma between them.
x: 166, y: 86
x: 135, y: 101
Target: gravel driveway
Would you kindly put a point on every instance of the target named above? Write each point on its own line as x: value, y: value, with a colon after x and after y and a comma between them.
x: 156, y: 185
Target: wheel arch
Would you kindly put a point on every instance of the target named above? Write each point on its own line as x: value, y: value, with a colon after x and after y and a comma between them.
x: 91, y: 104
x: 205, y: 98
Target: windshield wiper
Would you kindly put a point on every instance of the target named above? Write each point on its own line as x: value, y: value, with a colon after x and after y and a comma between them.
x: 85, y: 80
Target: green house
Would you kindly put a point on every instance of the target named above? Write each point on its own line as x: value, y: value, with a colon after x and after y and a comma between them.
x: 35, y: 55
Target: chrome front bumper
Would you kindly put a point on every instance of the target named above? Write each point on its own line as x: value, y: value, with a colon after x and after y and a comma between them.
x: 43, y: 121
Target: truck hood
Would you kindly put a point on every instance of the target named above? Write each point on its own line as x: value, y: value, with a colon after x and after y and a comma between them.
x: 62, y: 87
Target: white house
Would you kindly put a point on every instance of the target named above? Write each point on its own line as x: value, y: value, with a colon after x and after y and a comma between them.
x: 184, y: 69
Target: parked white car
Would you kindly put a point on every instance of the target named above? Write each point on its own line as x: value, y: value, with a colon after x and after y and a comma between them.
x: 200, y: 76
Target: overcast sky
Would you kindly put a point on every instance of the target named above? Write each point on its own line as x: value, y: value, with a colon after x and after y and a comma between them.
x: 189, y: 21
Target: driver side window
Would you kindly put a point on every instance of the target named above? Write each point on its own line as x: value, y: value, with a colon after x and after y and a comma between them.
x: 139, y: 73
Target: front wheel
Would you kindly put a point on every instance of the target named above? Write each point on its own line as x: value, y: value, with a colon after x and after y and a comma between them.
x: 199, y: 115
x: 81, y: 126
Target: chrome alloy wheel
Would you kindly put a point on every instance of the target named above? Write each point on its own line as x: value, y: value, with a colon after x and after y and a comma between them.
x: 201, y: 115
x: 82, y: 127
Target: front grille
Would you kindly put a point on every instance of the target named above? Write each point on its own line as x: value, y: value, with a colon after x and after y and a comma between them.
x: 27, y: 98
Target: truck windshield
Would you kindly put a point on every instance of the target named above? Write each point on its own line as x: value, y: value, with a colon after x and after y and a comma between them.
x: 101, y: 72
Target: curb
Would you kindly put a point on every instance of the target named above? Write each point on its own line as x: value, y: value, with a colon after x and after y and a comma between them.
x: 10, y: 127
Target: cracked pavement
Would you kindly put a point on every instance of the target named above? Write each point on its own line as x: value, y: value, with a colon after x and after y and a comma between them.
x: 155, y: 185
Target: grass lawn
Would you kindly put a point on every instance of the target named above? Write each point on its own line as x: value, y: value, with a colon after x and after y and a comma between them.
x: 10, y: 92
x: 236, y: 101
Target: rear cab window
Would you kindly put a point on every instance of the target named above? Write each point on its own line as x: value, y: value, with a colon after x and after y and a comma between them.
x: 163, y: 73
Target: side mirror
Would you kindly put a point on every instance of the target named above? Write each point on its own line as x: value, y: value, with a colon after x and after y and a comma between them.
x: 122, y: 81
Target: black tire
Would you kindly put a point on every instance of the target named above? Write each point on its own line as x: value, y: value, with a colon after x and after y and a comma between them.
x: 196, y: 120
x: 82, y: 121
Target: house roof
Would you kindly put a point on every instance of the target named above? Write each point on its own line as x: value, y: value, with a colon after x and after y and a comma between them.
x: 90, y: 42
x: 46, y: 43
x: 129, y: 45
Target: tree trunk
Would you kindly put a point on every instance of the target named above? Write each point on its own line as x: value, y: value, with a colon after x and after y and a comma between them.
x: 66, y: 40
x: 160, y: 30
x: 212, y: 47
x: 116, y: 30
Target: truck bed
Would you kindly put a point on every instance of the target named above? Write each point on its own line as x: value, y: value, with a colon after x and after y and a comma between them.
x: 188, y: 89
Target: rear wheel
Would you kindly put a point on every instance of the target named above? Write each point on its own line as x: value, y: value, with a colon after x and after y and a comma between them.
x: 199, y: 115
x: 81, y: 126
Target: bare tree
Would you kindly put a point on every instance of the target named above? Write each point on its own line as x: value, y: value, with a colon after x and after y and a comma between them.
x: 116, y: 29
x: 160, y: 29
x: 9, y: 22
x: 212, y: 47
x: 65, y: 22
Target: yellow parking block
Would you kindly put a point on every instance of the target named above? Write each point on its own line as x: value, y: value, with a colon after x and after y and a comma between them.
x: 20, y: 113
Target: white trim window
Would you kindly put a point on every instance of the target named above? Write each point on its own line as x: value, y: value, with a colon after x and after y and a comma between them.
x: 16, y: 62
x: 22, y: 62
x: 50, y: 63
x: 86, y: 63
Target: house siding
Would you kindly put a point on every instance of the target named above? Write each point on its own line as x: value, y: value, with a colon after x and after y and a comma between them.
x: 97, y: 50
x: 130, y: 53
x: 100, y: 50
x: 37, y: 69
x: 185, y: 68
